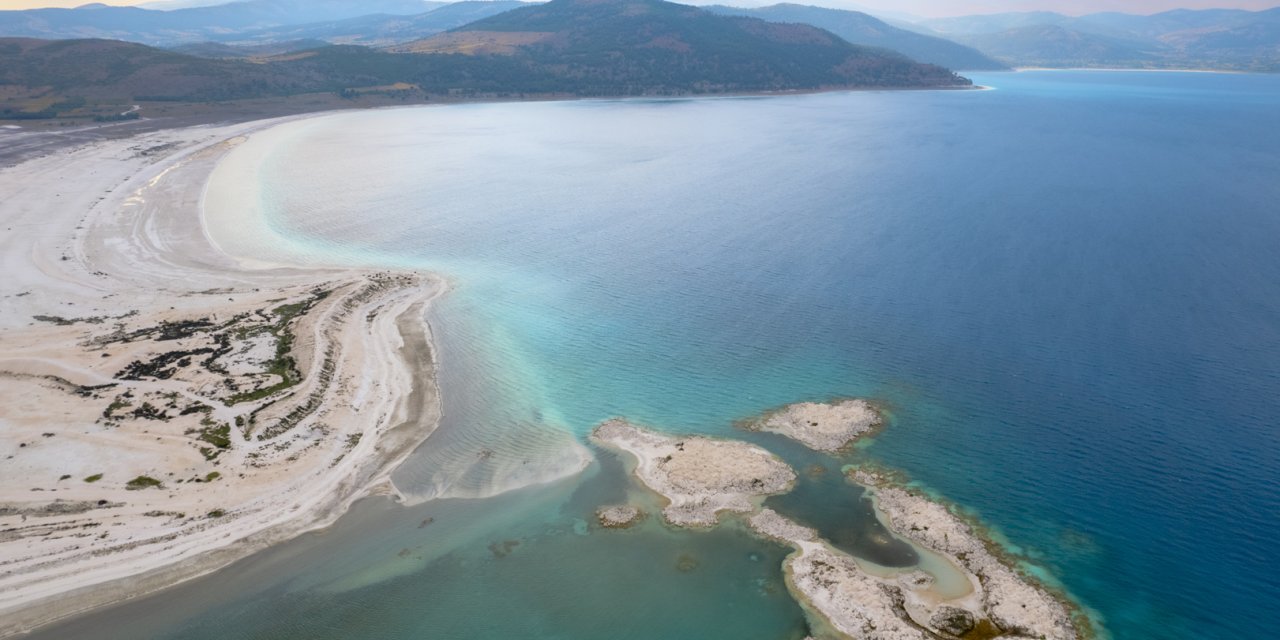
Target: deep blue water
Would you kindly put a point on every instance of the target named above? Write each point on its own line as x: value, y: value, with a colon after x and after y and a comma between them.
x: 1066, y: 289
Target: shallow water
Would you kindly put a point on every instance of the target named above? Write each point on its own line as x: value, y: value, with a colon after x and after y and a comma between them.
x: 524, y: 564
x: 1066, y: 290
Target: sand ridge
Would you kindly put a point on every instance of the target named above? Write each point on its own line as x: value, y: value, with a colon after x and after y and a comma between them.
x: 167, y: 410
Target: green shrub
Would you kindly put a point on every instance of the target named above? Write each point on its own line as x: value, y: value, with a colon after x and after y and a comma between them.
x: 142, y: 482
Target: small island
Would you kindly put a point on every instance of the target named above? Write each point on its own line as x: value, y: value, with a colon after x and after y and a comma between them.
x: 619, y: 516
x: 827, y: 427
x: 698, y: 476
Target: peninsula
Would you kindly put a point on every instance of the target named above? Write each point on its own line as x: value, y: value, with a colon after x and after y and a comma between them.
x: 166, y: 408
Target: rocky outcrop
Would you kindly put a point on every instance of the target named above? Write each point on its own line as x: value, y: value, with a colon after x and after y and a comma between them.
x: 821, y: 426
x: 952, y: 621
x: 618, y: 516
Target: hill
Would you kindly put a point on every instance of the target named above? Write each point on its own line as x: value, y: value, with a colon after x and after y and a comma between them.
x: 97, y: 78
x: 607, y: 47
x: 562, y: 48
x: 862, y: 29
x: 52, y: 78
x: 1058, y: 46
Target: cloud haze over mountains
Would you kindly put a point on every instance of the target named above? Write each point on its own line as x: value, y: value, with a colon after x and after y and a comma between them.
x: 918, y: 7
x: 1069, y: 7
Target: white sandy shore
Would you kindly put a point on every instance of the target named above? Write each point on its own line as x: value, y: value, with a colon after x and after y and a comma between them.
x: 105, y: 243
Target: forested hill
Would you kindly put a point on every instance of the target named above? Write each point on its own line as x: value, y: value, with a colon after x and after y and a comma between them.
x: 640, y: 46
x: 562, y: 48
x: 860, y: 28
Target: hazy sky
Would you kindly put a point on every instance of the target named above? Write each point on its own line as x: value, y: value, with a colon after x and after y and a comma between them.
x: 1070, y: 7
x: 918, y: 7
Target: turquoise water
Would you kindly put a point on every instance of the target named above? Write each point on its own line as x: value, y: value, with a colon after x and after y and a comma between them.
x: 1066, y: 290
x: 525, y: 564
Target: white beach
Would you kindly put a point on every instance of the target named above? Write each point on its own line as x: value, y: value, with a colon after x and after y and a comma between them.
x: 105, y: 243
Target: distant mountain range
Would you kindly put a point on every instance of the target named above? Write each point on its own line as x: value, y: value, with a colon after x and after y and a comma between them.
x: 412, y: 49
x: 381, y: 29
x: 157, y: 27
x: 563, y: 47
x: 863, y: 29
x: 1210, y: 39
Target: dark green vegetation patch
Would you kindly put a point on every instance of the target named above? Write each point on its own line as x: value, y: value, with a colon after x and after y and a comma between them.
x: 143, y: 482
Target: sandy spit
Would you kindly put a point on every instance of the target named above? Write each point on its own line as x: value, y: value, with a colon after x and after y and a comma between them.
x: 164, y: 409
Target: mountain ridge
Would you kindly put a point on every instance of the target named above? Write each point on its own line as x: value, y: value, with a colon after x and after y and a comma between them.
x: 864, y: 29
x: 678, y: 48
x: 1213, y: 39
x: 157, y: 27
x: 602, y: 48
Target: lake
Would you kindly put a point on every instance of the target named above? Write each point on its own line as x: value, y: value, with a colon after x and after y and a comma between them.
x: 1066, y: 291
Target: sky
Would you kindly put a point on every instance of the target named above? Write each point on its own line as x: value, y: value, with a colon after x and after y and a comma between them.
x: 928, y: 8
x: 1069, y: 7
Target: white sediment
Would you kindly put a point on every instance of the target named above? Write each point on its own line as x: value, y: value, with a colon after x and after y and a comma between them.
x: 829, y: 582
x: 105, y: 243
x: 699, y: 477
x: 821, y: 426
x: 859, y: 604
x: 1012, y: 602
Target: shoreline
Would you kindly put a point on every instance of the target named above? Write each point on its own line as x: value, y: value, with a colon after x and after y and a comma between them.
x: 873, y: 475
x: 55, y: 136
x: 1002, y: 593
x: 1140, y: 69
x: 92, y: 254
x: 1000, y: 577
x: 134, y: 265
